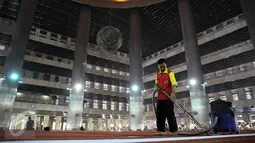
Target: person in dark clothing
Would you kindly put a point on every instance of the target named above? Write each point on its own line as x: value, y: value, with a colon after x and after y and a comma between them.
x: 81, y: 128
x: 165, y: 80
x: 30, y: 124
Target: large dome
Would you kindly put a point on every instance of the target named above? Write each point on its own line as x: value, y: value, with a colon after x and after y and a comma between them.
x: 119, y: 3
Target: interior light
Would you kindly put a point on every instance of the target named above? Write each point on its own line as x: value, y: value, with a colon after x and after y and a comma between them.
x: 193, y: 82
x: 19, y: 94
x: 134, y: 88
x: 14, y: 76
x: 78, y: 86
x: 45, y: 97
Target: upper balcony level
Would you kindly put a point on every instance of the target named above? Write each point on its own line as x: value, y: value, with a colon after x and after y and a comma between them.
x: 209, y: 58
x: 61, y: 41
x: 219, y: 30
x: 61, y: 82
x: 68, y: 64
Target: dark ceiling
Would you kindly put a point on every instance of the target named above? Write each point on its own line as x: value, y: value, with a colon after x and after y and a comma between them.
x: 160, y: 23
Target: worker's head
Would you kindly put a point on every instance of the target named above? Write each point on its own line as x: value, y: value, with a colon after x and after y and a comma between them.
x: 162, y: 65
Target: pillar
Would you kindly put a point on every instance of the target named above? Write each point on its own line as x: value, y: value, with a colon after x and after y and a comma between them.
x: 135, y: 69
x: 249, y: 15
x: 90, y: 124
x: 13, y: 120
x: 38, y: 122
x: 247, y: 118
x: 34, y: 118
x: 100, y: 124
x: 75, y: 107
x: 58, y: 122
x: 108, y: 124
x: 46, y: 121
x: 13, y: 64
x: 199, y: 99
x: 41, y: 122
x: 187, y: 122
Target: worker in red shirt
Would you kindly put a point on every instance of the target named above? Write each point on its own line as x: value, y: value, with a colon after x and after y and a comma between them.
x: 165, y: 80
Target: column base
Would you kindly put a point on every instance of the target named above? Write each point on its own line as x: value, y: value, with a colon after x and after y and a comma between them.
x: 74, y: 122
x: 75, y: 109
x: 200, y: 105
x: 136, y: 113
x: 7, y: 98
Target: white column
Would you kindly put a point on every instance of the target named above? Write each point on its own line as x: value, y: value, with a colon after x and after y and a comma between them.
x: 100, y: 125
x: 58, y: 122
x: 90, y: 124
x: 108, y: 124
x: 46, y: 120
x: 13, y: 120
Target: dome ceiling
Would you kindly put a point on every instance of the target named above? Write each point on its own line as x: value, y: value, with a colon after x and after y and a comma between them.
x: 119, y: 3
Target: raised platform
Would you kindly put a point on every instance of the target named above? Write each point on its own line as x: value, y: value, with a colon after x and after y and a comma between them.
x: 116, y: 137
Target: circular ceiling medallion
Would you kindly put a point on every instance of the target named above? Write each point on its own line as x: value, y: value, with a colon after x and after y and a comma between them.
x: 118, y: 3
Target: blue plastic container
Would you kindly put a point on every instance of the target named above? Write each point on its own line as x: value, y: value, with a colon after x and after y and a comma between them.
x: 226, y: 123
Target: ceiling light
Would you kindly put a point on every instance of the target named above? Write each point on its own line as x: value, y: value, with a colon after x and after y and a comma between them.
x: 120, y: 0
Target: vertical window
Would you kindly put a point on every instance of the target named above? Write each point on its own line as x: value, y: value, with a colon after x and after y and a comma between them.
x: 113, y: 88
x: 95, y: 104
x: 127, y: 106
x: 98, y: 68
x: 235, y: 97
x: 121, y: 106
x: 114, y: 71
x: 121, y: 89
x: 248, y: 95
x: 89, y: 66
x: 113, y: 106
x: 105, y: 87
x: 106, y: 70
x: 96, y: 85
x: 104, y: 105
x: 88, y: 84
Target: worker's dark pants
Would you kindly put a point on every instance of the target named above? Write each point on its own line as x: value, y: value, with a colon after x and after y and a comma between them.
x: 165, y: 110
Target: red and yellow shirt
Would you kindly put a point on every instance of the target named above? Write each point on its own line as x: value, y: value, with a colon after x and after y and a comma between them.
x: 165, y: 81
